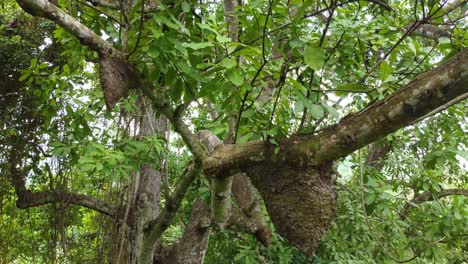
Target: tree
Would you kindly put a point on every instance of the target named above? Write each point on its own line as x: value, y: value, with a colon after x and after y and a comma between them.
x: 267, y: 77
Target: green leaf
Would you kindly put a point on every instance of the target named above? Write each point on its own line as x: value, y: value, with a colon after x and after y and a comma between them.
x: 316, y: 111
x: 222, y: 39
x: 24, y: 76
x: 33, y: 62
x: 236, y: 78
x: 314, y: 57
x: 228, y: 63
x: 185, y: 7
x: 153, y: 52
x: 385, y: 70
x: 197, y: 46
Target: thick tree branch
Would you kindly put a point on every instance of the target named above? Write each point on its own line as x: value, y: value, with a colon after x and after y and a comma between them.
x: 431, y: 32
x: 43, y: 8
x: 33, y: 199
x: 429, y: 196
x: 427, y: 92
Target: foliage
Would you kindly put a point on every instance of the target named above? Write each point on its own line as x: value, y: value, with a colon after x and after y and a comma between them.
x: 52, y: 113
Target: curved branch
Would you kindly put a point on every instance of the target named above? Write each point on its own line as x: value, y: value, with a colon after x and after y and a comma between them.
x: 428, y: 196
x: 29, y: 199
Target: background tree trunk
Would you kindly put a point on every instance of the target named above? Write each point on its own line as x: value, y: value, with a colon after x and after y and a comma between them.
x: 142, y: 204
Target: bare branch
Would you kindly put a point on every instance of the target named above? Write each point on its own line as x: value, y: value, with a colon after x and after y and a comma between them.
x: 33, y: 199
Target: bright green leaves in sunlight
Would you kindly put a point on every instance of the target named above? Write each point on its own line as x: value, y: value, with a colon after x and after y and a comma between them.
x: 314, y: 57
x: 385, y: 71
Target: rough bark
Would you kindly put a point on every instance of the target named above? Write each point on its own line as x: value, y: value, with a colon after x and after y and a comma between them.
x: 146, y: 207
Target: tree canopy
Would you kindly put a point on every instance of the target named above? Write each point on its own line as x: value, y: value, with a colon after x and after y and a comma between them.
x: 179, y: 131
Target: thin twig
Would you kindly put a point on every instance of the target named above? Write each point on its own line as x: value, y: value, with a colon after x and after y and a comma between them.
x: 139, y: 30
x: 101, y: 12
x: 264, y: 62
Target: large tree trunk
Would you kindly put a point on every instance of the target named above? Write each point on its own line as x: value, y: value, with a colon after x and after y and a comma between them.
x: 143, y: 198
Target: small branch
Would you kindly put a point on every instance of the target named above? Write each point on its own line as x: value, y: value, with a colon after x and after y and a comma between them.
x: 139, y: 30
x: 174, y: 117
x: 101, y: 12
x: 264, y: 62
x: 429, y: 196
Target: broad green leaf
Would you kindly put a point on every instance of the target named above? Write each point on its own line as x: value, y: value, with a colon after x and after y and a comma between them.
x: 316, y: 111
x: 228, y: 63
x: 385, y: 71
x: 314, y: 57
x: 185, y: 7
x: 197, y: 46
x: 236, y: 78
